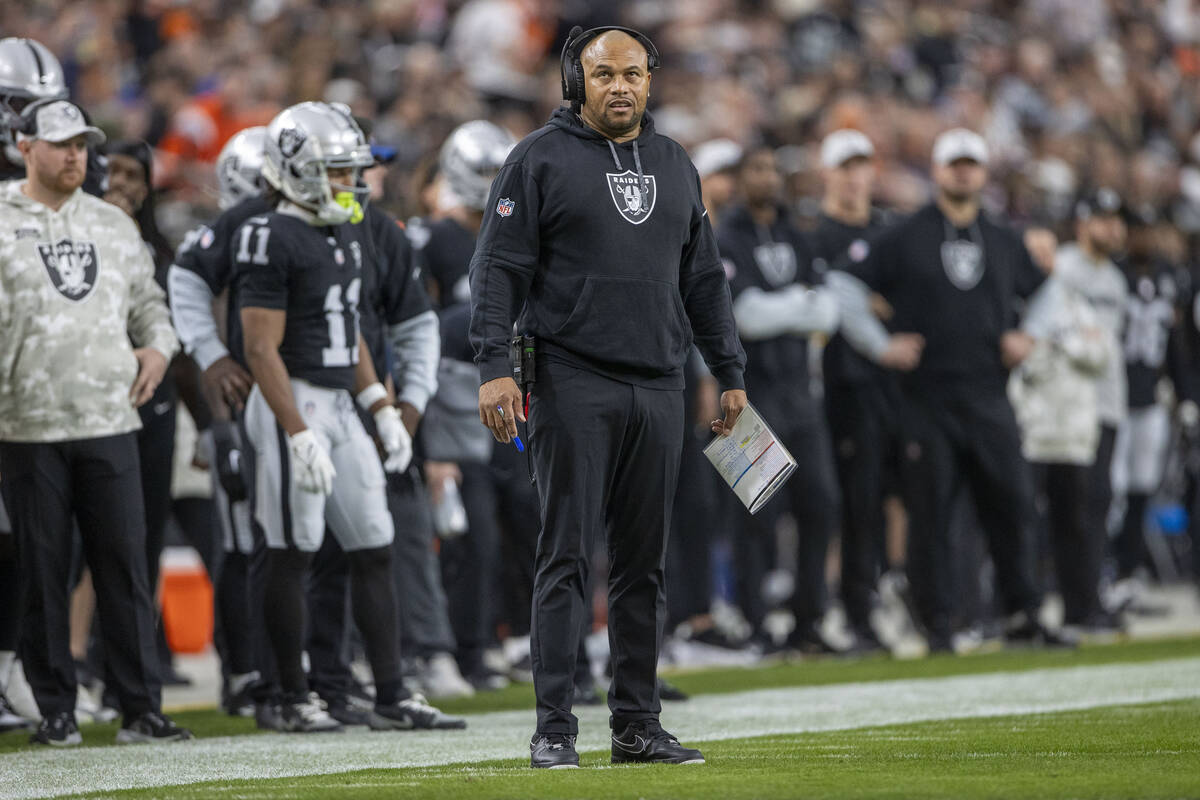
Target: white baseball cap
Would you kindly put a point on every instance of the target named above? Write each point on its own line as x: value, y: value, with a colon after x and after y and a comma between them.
x: 716, y: 155
x: 61, y: 120
x: 843, y: 145
x: 958, y: 143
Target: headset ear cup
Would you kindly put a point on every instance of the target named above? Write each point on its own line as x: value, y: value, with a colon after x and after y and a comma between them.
x: 580, y: 91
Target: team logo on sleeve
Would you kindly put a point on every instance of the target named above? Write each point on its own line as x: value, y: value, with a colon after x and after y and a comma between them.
x: 506, y: 207
x: 633, y: 198
x: 72, y: 267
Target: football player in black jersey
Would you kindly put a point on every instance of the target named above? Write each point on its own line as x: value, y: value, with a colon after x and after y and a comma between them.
x: 953, y: 277
x: 777, y: 307
x: 1153, y: 350
x: 300, y: 280
x: 198, y: 280
x: 860, y: 396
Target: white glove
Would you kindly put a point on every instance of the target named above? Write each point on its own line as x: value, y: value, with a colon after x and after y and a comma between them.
x: 396, y: 441
x: 311, y: 468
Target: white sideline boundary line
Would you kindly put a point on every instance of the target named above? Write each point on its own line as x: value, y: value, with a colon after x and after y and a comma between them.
x: 52, y: 772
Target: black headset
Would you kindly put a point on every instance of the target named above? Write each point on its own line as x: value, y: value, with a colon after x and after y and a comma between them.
x: 571, y: 66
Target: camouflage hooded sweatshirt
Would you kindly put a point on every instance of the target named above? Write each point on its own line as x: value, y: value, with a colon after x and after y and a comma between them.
x: 76, y: 286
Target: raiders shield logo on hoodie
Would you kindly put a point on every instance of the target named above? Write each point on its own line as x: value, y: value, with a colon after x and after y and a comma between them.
x: 634, y: 199
x: 72, y: 267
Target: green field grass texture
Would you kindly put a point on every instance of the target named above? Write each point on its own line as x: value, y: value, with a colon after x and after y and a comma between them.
x: 1140, y: 751
x: 816, y: 672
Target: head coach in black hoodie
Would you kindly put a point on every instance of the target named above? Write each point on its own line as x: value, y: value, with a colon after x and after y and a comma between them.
x: 596, y: 236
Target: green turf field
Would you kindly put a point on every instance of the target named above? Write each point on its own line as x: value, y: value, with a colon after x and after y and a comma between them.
x: 1118, y: 752
x: 820, y: 738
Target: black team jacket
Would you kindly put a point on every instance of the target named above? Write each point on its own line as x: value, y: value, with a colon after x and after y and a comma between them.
x: 606, y: 253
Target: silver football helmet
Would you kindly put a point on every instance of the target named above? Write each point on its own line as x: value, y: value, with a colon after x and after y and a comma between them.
x: 28, y: 72
x: 304, y: 141
x: 239, y: 166
x: 470, y: 158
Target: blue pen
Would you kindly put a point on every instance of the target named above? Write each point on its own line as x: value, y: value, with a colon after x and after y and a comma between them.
x: 516, y: 439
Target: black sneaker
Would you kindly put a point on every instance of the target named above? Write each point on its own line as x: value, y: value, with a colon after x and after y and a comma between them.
x: 1024, y: 630
x: 669, y: 691
x: 553, y: 751
x: 807, y: 640
x: 866, y: 641
x: 10, y: 720
x: 307, y: 715
x: 585, y: 695
x: 521, y: 670
x: 151, y: 727
x: 347, y: 711
x: 267, y: 716
x: 415, y: 713
x: 647, y: 743
x: 487, y: 680
x: 57, y: 730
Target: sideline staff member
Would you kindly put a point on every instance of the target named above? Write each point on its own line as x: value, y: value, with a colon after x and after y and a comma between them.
x: 76, y: 285
x: 596, y: 233
x: 955, y: 416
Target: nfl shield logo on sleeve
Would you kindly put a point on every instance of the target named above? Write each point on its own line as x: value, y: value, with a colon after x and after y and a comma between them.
x: 505, y: 207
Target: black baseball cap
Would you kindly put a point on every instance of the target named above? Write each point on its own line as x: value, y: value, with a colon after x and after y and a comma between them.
x: 1101, y: 202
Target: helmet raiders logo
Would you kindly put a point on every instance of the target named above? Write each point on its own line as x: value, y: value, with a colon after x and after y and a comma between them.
x: 72, y: 267
x: 963, y: 262
x: 290, y: 141
x: 633, y: 198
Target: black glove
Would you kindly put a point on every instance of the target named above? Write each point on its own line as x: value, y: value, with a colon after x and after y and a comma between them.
x: 229, y: 462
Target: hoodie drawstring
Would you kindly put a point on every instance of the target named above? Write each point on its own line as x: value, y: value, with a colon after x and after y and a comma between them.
x: 612, y: 149
x: 637, y: 162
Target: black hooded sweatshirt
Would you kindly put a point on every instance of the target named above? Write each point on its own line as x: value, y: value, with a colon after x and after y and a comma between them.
x: 606, y: 252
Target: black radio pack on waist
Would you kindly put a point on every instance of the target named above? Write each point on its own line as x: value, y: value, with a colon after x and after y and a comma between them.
x: 522, y: 354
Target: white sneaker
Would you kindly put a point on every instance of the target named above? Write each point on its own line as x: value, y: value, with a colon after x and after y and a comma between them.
x: 10, y: 720
x: 19, y: 693
x: 309, y: 716
x: 439, y: 677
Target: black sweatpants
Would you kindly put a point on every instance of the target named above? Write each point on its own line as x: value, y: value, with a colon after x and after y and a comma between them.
x: 471, y: 567
x: 1077, y: 547
x: 811, y: 495
x: 863, y: 428
x: 955, y: 433
x: 424, y: 620
x: 97, y: 482
x: 607, y: 463
x: 696, y: 516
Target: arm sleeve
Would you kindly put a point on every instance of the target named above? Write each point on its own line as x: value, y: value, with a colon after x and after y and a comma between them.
x: 192, y: 314
x: 705, y: 293
x: 502, y: 269
x: 262, y: 282
x: 862, y: 329
x: 416, y: 344
x: 149, y: 321
x: 794, y: 310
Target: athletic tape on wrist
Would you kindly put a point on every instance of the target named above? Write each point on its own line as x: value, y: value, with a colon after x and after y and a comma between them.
x: 370, y: 396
